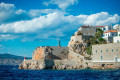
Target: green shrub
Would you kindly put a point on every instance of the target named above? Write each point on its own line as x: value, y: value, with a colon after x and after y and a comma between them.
x: 79, y: 33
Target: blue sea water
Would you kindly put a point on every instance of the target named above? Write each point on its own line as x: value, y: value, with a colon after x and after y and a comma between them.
x: 13, y: 73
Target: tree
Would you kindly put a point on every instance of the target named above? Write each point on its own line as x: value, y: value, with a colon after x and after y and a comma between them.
x: 97, y: 39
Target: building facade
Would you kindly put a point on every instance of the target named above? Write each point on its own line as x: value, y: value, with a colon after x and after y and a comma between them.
x: 108, y: 35
x: 87, y: 30
x: 116, y: 39
x: 106, y: 52
x: 105, y: 28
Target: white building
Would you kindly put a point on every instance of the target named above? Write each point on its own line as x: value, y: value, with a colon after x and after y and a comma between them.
x: 105, y: 28
x: 108, y: 35
x: 116, y: 39
x: 116, y: 27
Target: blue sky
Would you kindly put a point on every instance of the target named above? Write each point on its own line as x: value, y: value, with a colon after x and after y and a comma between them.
x: 27, y: 24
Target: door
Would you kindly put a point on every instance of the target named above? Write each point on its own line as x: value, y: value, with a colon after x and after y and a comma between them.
x: 116, y: 59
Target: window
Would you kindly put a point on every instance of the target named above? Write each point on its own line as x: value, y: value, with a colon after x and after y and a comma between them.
x: 106, y: 34
x: 106, y: 50
x: 101, y: 51
x: 109, y: 28
x: 116, y: 50
x: 96, y: 51
x: 112, y: 34
x: 104, y: 28
x: 101, y: 57
x: 112, y: 50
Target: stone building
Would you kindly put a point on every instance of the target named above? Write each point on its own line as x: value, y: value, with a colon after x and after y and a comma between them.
x: 106, y: 52
x: 87, y: 30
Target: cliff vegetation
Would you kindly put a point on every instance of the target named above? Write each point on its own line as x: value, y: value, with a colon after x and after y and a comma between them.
x: 97, y: 39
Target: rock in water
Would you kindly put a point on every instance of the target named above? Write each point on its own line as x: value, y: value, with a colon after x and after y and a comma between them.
x: 33, y: 64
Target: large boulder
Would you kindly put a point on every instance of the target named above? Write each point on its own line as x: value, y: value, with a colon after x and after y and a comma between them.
x: 42, y: 53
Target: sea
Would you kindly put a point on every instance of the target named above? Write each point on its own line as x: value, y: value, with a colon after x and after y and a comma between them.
x: 10, y: 72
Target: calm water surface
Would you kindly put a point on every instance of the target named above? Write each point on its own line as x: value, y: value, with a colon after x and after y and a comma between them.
x: 12, y: 73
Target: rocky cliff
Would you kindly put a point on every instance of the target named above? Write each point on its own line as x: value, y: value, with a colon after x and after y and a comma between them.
x: 77, y: 45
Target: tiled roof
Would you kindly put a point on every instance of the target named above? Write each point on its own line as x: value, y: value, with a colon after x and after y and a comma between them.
x: 110, y: 31
x: 100, y: 26
x: 85, y: 26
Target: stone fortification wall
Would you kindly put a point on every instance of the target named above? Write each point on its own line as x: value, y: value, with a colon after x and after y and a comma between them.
x: 50, y: 52
x: 74, y: 56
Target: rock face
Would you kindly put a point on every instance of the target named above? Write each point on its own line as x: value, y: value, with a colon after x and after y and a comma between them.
x: 50, y: 52
x: 78, y: 45
x: 33, y: 64
x: 43, y: 57
x: 42, y: 53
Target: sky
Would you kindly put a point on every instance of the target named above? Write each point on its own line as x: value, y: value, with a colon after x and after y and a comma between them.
x: 27, y: 24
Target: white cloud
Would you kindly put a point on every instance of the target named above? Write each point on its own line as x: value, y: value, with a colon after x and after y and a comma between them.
x: 63, y: 4
x: 20, y: 11
x: 103, y: 18
x: 9, y: 13
x: 46, y: 23
x: 47, y: 26
x: 39, y: 12
x: 7, y: 37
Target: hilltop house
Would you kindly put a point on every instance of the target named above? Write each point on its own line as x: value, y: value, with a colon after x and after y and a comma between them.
x: 87, y: 30
x: 84, y: 33
x: 106, y: 52
x: 116, y: 39
x: 105, y: 28
x: 108, y: 35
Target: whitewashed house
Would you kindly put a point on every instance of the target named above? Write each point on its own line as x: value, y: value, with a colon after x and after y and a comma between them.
x: 105, y: 28
x: 116, y: 39
x: 108, y: 35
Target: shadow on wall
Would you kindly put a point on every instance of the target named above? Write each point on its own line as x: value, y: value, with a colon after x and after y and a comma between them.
x: 49, y: 64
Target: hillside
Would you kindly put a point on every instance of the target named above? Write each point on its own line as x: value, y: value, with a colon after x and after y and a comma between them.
x: 9, y: 59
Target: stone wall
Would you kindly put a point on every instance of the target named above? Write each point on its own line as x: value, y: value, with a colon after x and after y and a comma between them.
x: 74, y: 56
x: 50, y: 52
x: 103, y: 65
x: 106, y: 52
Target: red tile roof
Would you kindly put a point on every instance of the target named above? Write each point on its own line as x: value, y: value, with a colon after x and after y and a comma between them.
x: 100, y: 26
x: 110, y: 31
x: 85, y: 26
